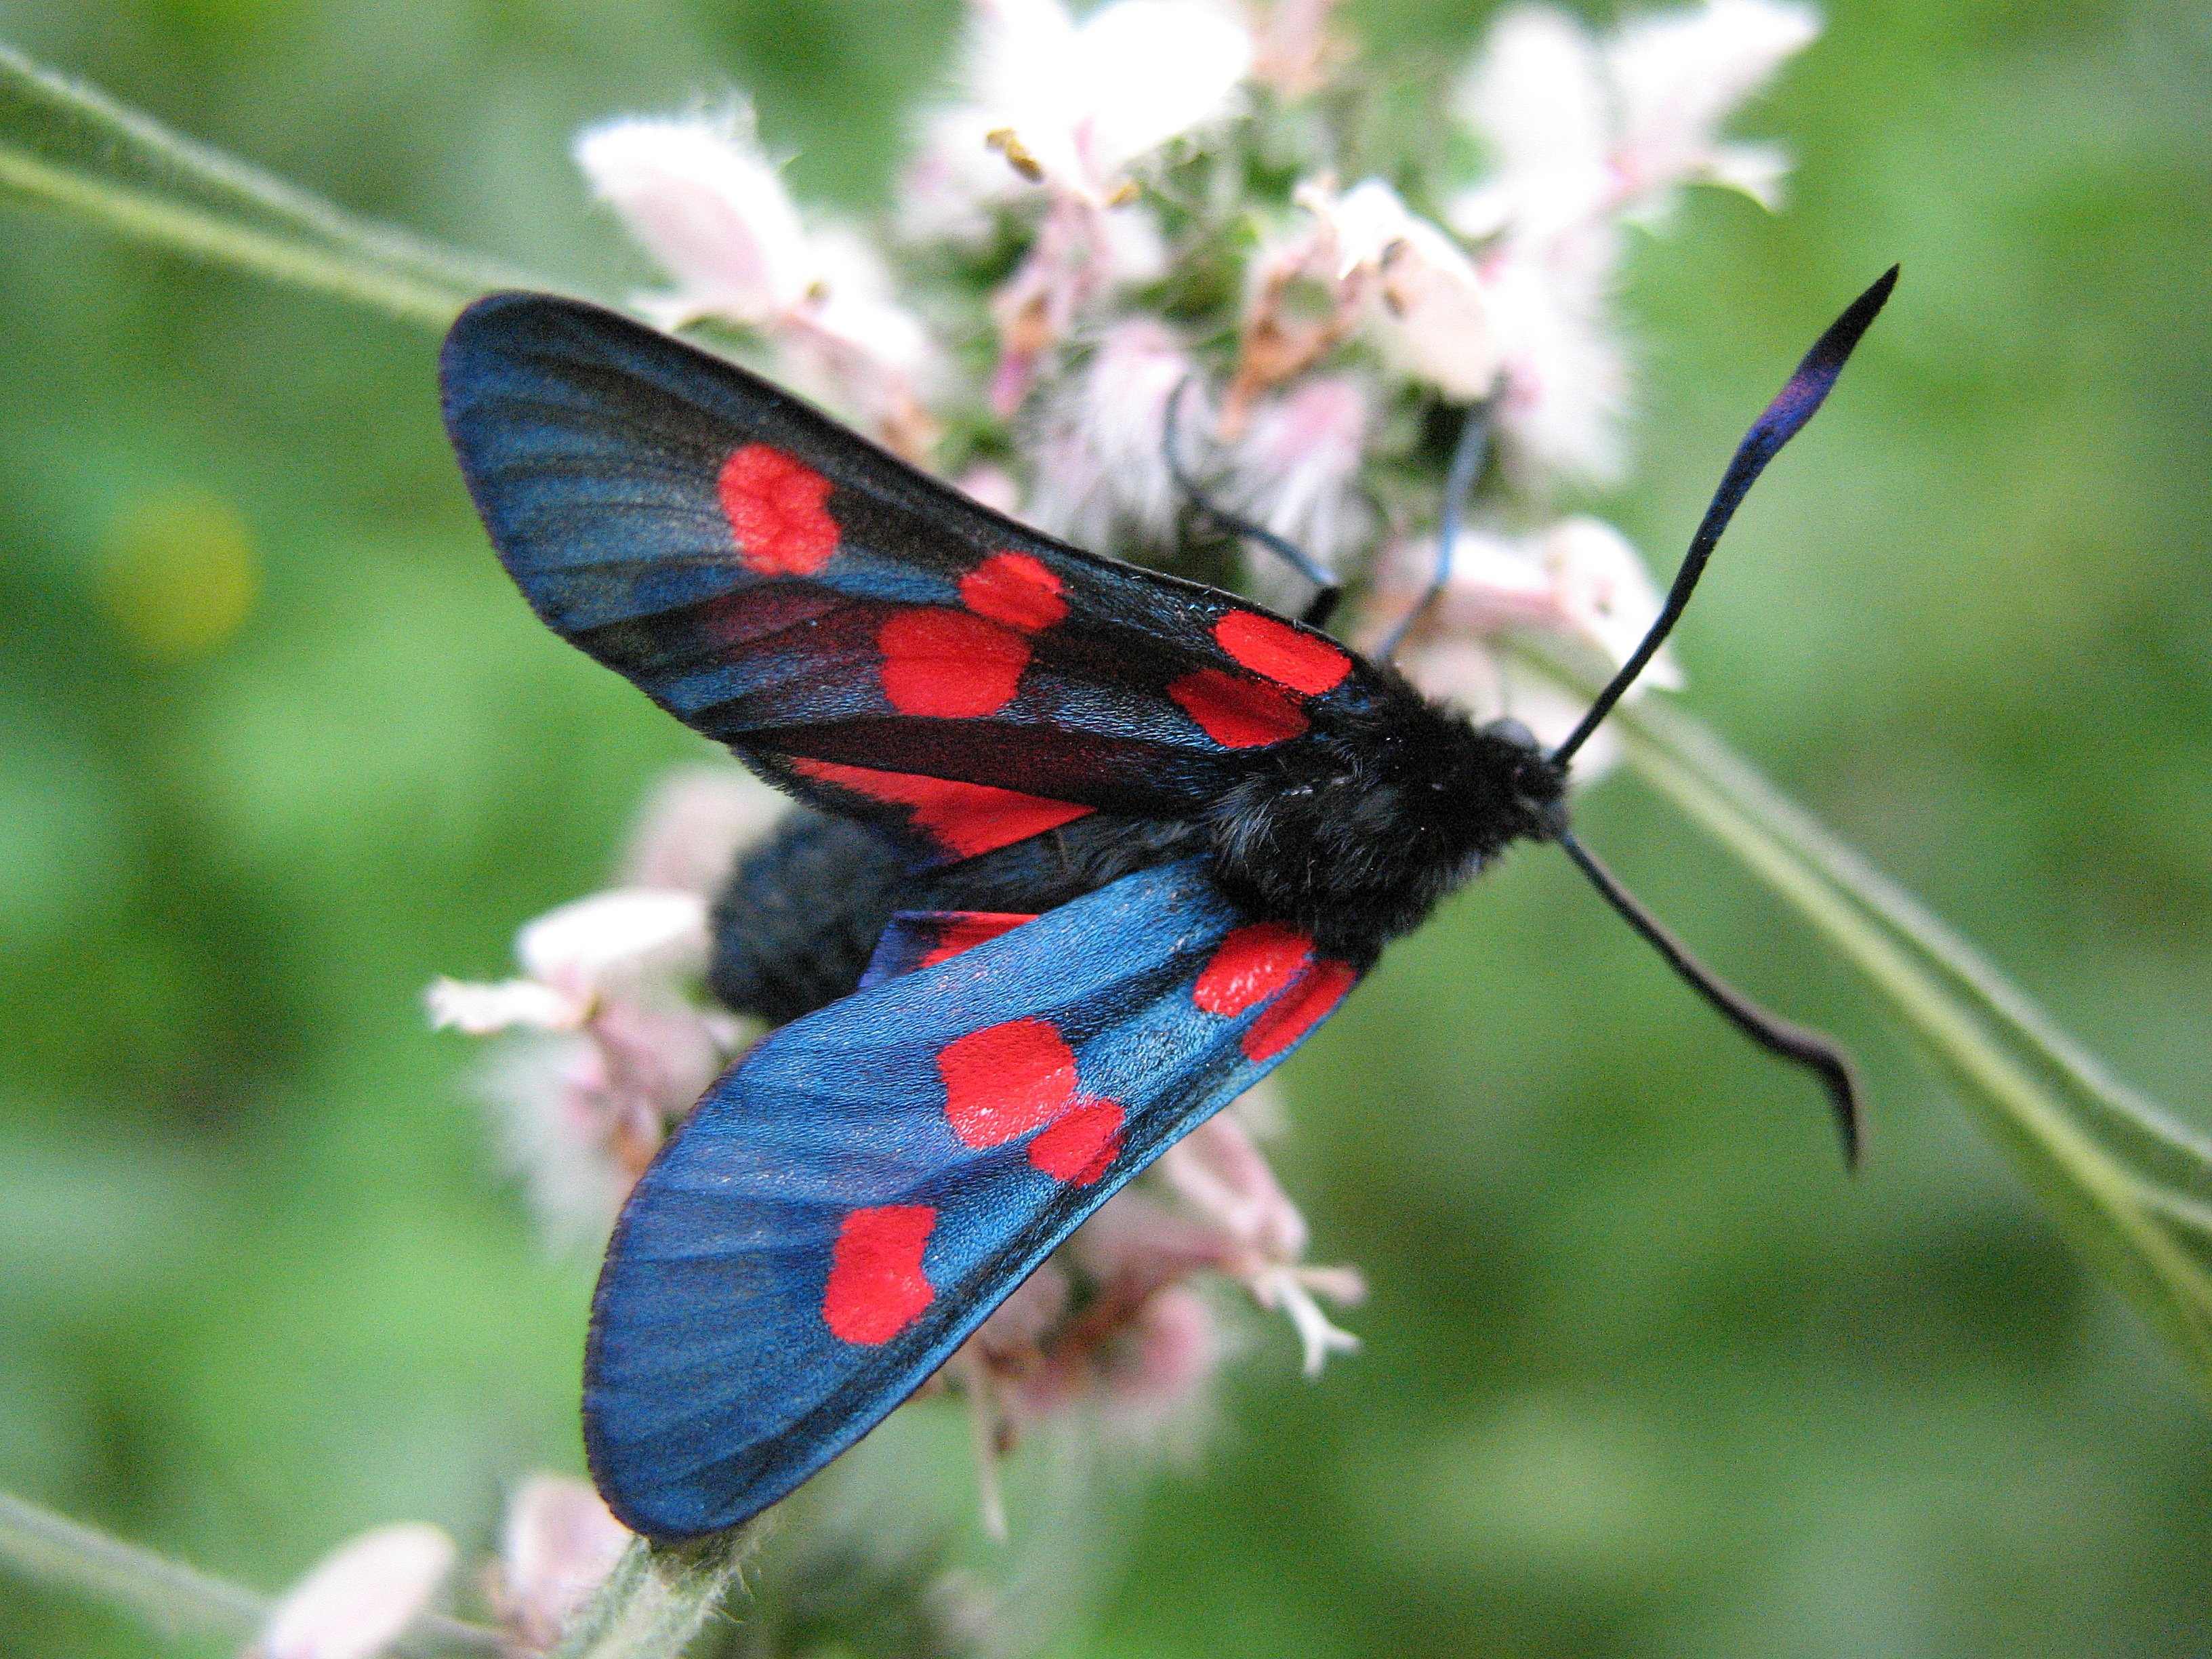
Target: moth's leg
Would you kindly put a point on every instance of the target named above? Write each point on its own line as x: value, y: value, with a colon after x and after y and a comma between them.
x: 1326, y: 591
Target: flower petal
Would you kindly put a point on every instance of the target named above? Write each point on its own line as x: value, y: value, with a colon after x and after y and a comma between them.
x: 699, y: 196
x: 357, y: 1599
x: 478, y: 1009
x: 616, y: 936
x: 1155, y: 69
x: 1676, y: 78
x: 558, y: 1544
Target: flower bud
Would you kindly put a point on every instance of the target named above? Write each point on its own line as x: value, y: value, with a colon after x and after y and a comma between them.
x: 357, y: 1599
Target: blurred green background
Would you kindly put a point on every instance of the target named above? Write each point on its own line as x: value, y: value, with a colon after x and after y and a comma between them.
x: 1645, y: 1373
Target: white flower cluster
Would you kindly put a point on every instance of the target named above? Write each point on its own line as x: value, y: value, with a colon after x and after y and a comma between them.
x: 609, y: 1038
x: 1085, y: 146
x: 1086, y: 204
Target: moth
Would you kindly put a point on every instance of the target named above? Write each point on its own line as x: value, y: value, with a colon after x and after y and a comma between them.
x: 1084, y: 851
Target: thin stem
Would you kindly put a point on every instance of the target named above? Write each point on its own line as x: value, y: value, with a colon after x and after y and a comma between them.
x: 188, y: 230
x: 2130, y: 1182
x: 1699, y: 752
x: 659, y: 1597
x: 175, y: 1599
x: 53, y: 1550
x: 116, y: 137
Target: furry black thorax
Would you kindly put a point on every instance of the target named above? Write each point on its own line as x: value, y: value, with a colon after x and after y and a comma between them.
x: 1354, y: 836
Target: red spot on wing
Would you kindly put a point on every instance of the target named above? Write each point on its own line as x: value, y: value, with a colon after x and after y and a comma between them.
x: 1080, y: 1145
x: 1307, y: 665
x: 1298, y: 1010
x: 966, y: 929
x: 949, y: 665
x: 1015, y: 589
x: 1006, y: 1080
x: 877, y: 1288
x: 1236, y: 713
x: 964, y: 818
x: 775, y: 508
x: 1249, y: 966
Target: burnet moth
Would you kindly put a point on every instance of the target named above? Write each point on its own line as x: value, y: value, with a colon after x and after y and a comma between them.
x: 1083, y: 852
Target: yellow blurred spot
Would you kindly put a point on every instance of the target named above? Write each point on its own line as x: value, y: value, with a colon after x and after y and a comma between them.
x: 178, y: 574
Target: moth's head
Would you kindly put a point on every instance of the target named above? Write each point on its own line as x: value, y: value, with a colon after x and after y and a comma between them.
x: 1533, y: 784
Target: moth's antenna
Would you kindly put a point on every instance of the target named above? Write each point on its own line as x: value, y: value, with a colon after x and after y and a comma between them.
x: 1790, y: 410
x: 1778, y: 1037
x: 1467, y: 457
x: 1323, y: 603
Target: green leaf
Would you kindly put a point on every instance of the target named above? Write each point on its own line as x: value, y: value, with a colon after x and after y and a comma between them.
x: 66, y: 145
x: 2130, y: 1183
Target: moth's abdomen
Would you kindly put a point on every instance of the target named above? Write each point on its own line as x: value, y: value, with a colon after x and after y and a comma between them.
x: 798, y: 921
x: 799, y: 917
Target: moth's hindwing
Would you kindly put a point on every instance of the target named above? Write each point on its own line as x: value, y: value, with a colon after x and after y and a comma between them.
x: 853, y: 1197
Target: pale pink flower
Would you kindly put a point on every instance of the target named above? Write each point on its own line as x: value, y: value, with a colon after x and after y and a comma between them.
x: 1676, y: 78
x: 1073, y: 106
x: 992, y: 487
x: 1063, y: 113
x: 1099, y: 467
x: 358, y: 1600
x: 1162, y: 1365
x: 580, y: 1114
x: 1579, y: 131
x: 612, y: 1045
x: 1082, y: 253
x: 687, y: 833
x: 1112, y: 1322
x: 629, y: 939
x: 1295, y: 472
x: 1423, y: 301
x: 558, y: 1544
x: 1294, y: 49
x: 1583, y: 137
x: 1536, y: 95
x: 698, y: 194
x: 1565, y: 382
x: 614, y: 1039
x: 1576, y: 593
x: 1042, y: 1352
x: 561, y: 1133
x: 1217, y: 1170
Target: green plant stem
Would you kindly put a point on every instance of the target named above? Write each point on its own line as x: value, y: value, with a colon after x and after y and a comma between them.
x: 70, y: 146
x: 148, y: 218
x: 2131, y: 1184
x: 175, y: 1599
x: 657, y: 1598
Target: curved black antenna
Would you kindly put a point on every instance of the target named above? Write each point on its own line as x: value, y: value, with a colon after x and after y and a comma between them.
x: 1467, y: 457
x: 1323, y: 604
x: 1790, y: 410
x: 1778, y: 1037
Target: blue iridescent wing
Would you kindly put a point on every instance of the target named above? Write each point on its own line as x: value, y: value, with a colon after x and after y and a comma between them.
x: 850, y: 1201
x: 872, y: 639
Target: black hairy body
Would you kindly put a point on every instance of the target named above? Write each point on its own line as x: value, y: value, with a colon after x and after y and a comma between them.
x: 1353, y: 836
x: 799, y: 916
